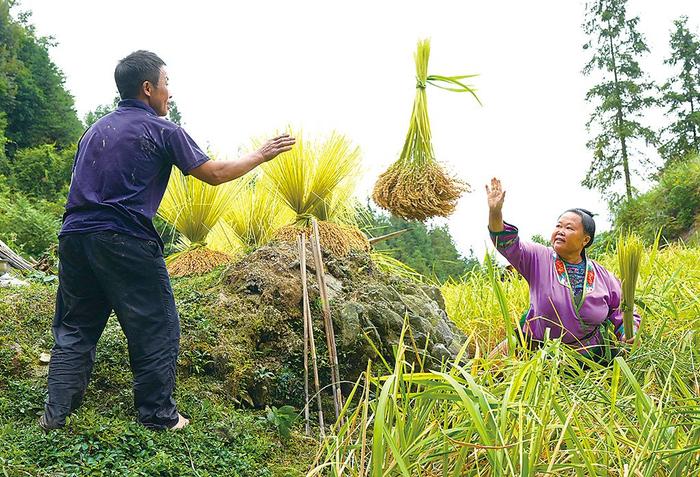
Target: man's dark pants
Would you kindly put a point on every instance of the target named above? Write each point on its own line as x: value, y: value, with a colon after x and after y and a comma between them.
x: 100, y: 272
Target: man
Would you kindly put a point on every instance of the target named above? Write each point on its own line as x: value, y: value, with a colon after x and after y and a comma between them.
x: 110, y: 255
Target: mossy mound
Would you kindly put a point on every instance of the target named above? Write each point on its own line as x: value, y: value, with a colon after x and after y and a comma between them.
x: 255, y: 343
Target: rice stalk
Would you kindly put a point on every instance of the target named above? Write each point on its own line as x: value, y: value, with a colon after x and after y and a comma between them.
x: 194, y: 209
x: 315, y: 179
x: 196, y: 260
x: 253, y: 217
x: 339, y: 240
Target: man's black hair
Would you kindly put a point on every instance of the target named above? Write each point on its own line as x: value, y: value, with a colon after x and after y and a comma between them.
x: 134, y: 69
x: 587, y: 221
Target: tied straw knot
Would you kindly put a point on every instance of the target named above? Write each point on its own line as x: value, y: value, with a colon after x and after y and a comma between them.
x: 420, y: 84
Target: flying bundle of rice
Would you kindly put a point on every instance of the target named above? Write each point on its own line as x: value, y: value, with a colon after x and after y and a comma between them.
x: 194, y: 208
x: 318, y: 180
x: 417, y: 186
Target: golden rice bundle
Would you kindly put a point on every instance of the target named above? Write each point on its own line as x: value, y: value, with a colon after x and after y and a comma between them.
x: 318, y: 180
x: 416, y: 186
x: 196, y: 261
x: 337, y: 239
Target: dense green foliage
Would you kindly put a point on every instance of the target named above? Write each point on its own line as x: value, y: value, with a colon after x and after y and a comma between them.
x: 429, y: 251
x: 38, y: 130
x: 42, y: 171
x: 672, y: 205
x: 28, y: 226
x: 34, y: 105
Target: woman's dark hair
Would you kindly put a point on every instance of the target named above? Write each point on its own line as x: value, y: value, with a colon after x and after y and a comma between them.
x: 134, y: 69
x: 588, y: 224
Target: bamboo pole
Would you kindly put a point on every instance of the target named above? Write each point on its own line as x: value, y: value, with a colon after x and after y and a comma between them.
x: 375, y: 240
x: 327, y: 320
x: 309, y: 342
x: 300, y: 243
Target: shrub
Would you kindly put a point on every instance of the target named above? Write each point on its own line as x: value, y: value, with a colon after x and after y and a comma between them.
x: 672, y: 205
x: 42, y: 171
x: 30, y: 227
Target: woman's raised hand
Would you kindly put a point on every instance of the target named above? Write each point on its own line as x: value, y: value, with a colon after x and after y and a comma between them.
x: 495, y: 195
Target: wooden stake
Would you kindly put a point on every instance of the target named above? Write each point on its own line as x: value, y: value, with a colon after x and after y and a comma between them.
x: 327, y: 320
x: 309, y: 337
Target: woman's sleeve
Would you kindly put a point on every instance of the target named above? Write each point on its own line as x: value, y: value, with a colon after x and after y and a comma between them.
x: 522, y: 255
x: 615, y: 310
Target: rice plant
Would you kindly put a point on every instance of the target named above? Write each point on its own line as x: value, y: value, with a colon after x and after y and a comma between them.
x: 416, y: 186
x: 629, y: 252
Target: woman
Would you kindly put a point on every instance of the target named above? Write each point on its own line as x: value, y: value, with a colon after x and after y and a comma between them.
x: 574, y: 297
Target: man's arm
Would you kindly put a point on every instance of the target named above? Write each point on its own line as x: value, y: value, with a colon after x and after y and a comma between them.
x: 219, y: 172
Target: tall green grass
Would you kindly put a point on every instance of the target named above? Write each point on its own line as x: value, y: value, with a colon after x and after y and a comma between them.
x: 545, y: 412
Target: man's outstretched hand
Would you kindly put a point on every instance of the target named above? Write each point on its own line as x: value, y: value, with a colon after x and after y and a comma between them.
x: 276, y: 146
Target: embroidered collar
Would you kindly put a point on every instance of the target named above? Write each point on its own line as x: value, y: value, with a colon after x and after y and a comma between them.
x: 563, y: 277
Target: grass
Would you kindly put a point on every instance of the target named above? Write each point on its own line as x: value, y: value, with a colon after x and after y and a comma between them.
x: 103, y: 438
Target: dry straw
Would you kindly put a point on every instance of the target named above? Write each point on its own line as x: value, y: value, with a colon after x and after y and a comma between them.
x: 417, y: 186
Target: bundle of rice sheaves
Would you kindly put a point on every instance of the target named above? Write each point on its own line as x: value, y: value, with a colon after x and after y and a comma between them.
x: 416, y: 186
x: 253, y: 219
x: 317, y: 180
x: 194, y: 208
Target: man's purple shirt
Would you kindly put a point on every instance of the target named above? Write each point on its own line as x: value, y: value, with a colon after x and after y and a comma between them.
x: 121, y: 171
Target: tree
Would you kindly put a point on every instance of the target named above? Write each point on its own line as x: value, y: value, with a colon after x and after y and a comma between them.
x: 35, y: 104
x: 681, y: 95
x: 102, y: 110
x: 621, y: 98
x: 174, y: 113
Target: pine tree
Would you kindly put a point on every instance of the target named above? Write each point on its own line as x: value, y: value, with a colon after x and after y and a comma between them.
x: 621, y: 97
x: 681, y: 95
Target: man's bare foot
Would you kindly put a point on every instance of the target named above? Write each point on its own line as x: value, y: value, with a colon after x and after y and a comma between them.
x: 181, y: 423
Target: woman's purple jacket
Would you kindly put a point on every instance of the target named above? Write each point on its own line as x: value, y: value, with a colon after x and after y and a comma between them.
x: 551, y: 298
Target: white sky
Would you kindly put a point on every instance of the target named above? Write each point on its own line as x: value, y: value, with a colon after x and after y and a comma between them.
x: 244, y: 69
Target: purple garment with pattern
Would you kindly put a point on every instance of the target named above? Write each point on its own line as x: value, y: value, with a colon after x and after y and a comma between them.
x: 551, y: 299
